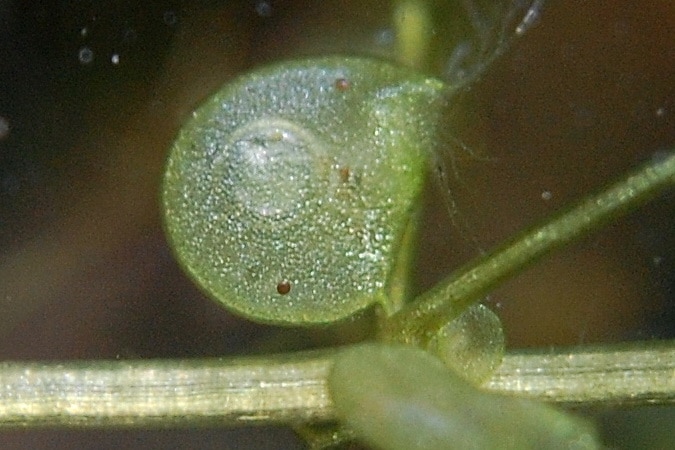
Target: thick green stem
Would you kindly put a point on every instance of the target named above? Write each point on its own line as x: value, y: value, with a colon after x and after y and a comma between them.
x: 625, y: 375
x: 165, y: 393
x: 292, y: 388
x: 468, y: 285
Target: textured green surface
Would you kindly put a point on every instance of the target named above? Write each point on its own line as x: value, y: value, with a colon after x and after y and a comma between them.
x: 301, y: 175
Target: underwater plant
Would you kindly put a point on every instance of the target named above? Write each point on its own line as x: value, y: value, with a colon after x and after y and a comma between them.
x: 291, y: 197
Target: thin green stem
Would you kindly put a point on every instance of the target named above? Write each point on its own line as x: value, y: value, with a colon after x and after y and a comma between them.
x: 293, y: 388
x: 471, y: 283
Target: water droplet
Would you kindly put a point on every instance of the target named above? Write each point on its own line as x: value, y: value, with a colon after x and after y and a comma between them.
x: 546, y: 195
x: 115, y: 59
x: 84, y: 32
x: 660, y: 112
x: 85, y: 55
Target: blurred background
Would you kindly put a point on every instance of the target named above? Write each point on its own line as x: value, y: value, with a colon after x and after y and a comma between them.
x: 93, y: 92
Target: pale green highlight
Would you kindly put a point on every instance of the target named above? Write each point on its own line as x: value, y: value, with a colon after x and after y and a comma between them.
x: 413, y: 23
x: 401, y: 398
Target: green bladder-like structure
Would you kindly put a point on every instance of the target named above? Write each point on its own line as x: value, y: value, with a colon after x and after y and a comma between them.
x: 291, y: 191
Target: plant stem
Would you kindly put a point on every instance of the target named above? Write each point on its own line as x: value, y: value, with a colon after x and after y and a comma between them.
x: 293, y: 389
x: 624, y: 374
x: 165, y: 393
x: 451, y: 297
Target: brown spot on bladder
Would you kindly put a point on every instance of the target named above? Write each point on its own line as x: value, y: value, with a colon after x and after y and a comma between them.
x: 342, y: 84
x: 345, y: 173
x: 284, y: 287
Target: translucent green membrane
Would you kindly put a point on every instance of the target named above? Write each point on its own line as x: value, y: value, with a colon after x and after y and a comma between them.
x: 472, y: 344
x: 399, y: 397
x: 288, y: 194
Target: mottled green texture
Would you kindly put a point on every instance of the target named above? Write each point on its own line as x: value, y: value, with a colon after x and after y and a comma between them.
x: 399, y: 397
x: 304, y: 174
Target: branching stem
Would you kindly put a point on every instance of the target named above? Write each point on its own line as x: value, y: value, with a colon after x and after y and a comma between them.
x: 292, y: 388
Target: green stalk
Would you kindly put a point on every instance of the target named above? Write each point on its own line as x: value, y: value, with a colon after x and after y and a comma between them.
x: 165, y: 393
x: 293, y: 388
x: 448, y: 299
x: 638, y: 373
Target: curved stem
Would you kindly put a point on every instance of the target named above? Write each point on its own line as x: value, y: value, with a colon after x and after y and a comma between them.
x: 293, y: 388
x: 469, y: 284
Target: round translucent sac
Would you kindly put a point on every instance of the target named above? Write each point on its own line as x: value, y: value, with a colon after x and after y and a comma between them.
x: 303, y: 175
x: 471, y: 344
x: 402, y: 398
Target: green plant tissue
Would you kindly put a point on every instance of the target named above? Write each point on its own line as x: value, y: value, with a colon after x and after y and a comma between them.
x: 288, y: 192
x: 402, y: 398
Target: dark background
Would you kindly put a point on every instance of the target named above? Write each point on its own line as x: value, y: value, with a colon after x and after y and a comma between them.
x: 92, y: 93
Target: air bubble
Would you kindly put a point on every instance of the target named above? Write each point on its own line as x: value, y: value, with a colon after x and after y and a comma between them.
x: 263, y: 9
x: 85, y: 55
